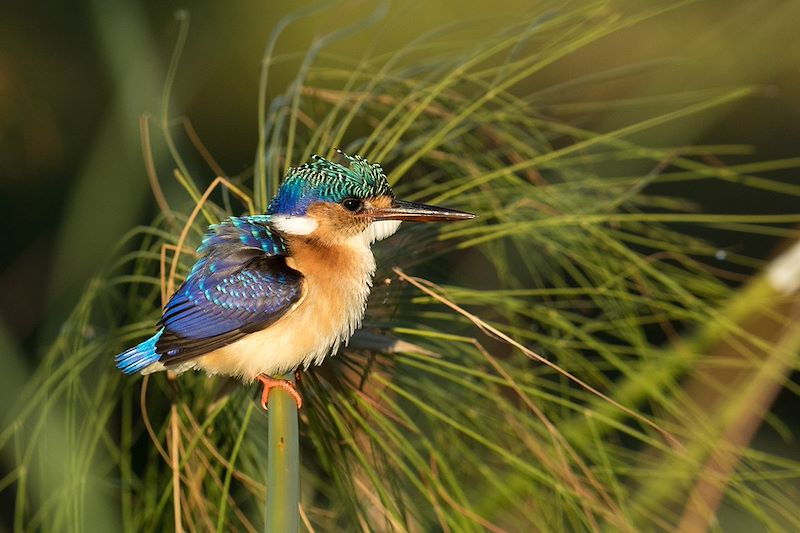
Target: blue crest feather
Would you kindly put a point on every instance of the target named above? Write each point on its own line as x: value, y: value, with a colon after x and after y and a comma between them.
x: 321, y: 180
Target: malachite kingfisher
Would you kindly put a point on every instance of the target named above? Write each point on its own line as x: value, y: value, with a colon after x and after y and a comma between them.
x: 274, y: 292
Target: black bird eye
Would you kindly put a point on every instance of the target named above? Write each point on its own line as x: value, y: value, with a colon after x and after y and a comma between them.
x: 352, y: 204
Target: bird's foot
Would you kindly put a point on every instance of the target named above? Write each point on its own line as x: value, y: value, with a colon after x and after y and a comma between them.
x: 270, y: 383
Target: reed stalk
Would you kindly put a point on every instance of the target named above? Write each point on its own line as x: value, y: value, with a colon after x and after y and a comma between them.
x: 283, y: 465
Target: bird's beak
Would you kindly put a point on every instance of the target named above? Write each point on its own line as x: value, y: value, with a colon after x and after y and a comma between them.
x: 400, y: 210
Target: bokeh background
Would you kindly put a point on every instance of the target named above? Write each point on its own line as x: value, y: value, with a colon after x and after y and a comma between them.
x: 75, y: 78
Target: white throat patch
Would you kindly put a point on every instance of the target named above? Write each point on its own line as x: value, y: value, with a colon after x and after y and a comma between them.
x: 380, y: 229
x: 375, y: 231
x: 294, y: 225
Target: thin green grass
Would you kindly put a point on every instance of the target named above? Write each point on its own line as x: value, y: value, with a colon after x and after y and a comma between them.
x: 572, y: 257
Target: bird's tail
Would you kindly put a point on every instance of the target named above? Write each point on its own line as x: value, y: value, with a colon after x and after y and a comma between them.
x: 139, y: 357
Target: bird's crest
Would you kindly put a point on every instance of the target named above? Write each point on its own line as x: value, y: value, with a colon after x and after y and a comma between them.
x: 321, y: 180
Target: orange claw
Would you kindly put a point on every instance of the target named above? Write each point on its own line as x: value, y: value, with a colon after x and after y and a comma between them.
x: 270, y: 383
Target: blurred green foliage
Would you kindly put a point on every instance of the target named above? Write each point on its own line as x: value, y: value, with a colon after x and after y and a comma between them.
x: 73, y: 79
x: 722, y: 75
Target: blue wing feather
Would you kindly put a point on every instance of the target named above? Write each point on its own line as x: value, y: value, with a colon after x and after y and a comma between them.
x: 241, y: 284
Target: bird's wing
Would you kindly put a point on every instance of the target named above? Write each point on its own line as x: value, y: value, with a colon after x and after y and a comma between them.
x: 241, y: 284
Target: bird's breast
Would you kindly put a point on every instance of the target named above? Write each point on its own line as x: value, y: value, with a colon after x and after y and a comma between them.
x: 336, y: 285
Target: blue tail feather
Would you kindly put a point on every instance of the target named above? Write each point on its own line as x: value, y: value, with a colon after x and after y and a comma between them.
x: 139, y: 357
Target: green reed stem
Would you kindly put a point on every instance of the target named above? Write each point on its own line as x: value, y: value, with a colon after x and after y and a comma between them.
x: 283, y: 468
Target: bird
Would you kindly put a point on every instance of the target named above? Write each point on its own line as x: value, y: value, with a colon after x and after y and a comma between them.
x: 276, y: 291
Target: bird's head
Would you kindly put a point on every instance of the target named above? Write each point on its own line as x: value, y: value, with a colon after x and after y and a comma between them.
x: 332, y: 203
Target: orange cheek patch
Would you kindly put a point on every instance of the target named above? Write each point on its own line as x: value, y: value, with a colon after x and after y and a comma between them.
x: 335, y: 222
x: 381, y: 202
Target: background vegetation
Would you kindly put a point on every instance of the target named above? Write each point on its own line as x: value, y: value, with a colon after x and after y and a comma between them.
x: 606, y: 348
